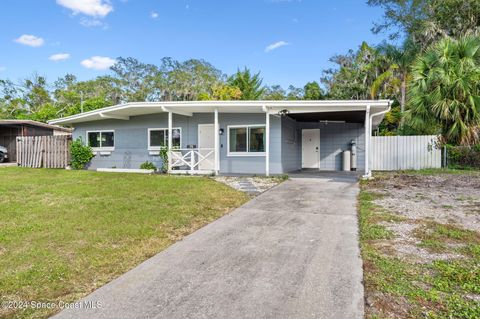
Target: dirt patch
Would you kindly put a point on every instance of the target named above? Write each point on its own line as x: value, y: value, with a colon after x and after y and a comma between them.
x: 444, y: 198
x: 420, y: 238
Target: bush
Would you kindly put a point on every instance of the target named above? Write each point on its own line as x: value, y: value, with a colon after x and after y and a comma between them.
x: 148, y: 165
x: 164, y: 157
x: 81, y: 154
x: 464, y: 156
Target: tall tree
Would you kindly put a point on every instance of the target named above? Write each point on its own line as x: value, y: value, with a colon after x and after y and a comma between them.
x: 354, y: 74
x: 139, y: 81
x: 313, y: 91
x: 274, y: 93
x: 250, y: 84
x: 393, y: 82
x: 445, y: 90
x: 295, y: 93
x: 427, y: 21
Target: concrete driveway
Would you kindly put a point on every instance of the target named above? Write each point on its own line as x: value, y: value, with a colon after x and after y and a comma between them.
x: 292, y: 252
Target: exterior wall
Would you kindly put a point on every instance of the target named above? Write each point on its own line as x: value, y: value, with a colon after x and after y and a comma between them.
x: 291, y: 145
x: 131, y: 139
x: 334, y: 139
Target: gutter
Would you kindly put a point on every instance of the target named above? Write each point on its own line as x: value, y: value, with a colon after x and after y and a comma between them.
x: 368, y: 174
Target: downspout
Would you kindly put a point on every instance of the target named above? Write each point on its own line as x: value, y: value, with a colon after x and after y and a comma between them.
x: 368, y: 173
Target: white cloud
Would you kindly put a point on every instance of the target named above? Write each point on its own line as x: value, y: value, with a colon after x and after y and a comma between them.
x: 90, y: 23
x: 154, y: 15
x: 98, y: 63
x: 30, y: 40
x: 94, y: 8
x: 276, y: 45
x: 59, y: 57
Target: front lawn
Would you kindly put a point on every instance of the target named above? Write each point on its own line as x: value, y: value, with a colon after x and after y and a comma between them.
x: 65, y: 233
x: 420, y: 240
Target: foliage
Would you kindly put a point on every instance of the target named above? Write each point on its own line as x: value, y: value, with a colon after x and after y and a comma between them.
x: 222, y: 92
x: 249, y: 84
x: 274, y: 93
x: 355, y: 73
x: 445, y: 90
x: 312, y: 91
x: 427, y: 21
x: 148, y: 165
x: 164, y: 158
x: 81, y: 154
x: 463, y: 156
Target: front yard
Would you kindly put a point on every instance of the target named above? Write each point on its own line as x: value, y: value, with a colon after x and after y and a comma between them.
x: 65, y: 233
x: 420, y: 240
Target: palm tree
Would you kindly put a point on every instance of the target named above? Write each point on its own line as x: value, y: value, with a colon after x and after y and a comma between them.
x: 445, y: 90
x: 250, y: 85
x: 394, y: 80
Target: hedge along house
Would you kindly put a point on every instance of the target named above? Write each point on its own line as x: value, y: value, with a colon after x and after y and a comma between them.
x: 230, y: 137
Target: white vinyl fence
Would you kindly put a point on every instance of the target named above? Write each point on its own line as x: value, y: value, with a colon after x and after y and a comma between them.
x: 391, y: 153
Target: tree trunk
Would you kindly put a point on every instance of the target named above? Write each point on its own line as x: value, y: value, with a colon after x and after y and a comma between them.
x: 403, y: 92
x: 403, y: 98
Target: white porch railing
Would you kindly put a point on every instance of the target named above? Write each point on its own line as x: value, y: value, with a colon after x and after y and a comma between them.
x: 192, y: 161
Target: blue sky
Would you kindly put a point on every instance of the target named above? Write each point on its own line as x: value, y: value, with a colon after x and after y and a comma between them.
x: 289, y: 41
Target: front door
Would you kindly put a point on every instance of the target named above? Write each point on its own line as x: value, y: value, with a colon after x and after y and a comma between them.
x: 311, y: 148
x: 206, y: 145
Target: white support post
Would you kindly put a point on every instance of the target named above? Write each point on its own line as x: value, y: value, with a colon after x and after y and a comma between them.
x: 368, y: 133
x: 170, y: 140
x: 267, y: 144
x: 217, y: 143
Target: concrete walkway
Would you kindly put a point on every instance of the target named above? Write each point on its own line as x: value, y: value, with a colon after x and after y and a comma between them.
x: 291, y: 252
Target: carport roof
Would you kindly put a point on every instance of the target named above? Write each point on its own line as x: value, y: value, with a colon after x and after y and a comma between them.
x: 34, y: 123
x: 187, y: 108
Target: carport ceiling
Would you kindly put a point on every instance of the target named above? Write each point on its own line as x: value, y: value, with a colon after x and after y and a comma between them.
x: 349, y: 117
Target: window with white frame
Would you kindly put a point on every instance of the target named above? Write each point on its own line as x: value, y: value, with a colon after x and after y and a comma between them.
x: 158, y: 138
x: 246, y: 140
x: 101, y: 140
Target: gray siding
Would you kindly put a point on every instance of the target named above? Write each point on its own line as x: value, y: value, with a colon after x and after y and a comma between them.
x: 291, y: 145
x: 334, y: 139
x: 131, y: 139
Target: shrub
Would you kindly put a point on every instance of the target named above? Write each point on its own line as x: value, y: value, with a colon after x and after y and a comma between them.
x: 464, y: 156
x: 148, y: 165
x: 81, y: 154
x: 164, y: 157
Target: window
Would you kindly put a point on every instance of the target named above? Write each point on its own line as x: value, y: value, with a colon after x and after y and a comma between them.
x: 158, y: 137
x: 246, y: 140
x: 101, y: 140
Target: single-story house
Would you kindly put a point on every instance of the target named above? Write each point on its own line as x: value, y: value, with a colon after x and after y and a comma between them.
x: 230, y: 137
x: 10, y: 129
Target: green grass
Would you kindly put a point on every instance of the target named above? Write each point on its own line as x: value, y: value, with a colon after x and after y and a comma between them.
x: 413, y: 290
x: 65, y: 233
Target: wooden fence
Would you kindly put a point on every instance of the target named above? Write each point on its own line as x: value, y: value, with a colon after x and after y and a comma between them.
x: 43, y: 151
x: 389, y: 153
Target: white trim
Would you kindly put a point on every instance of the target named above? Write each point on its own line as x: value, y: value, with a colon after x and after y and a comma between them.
x: 170, y: 139
x: 190, y: 107
x: 216, y: 128
x: 157, y: 148
x: 267, y: 144
x: 246, y: 153
x: 368, y: 133
x: 101, y: 149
